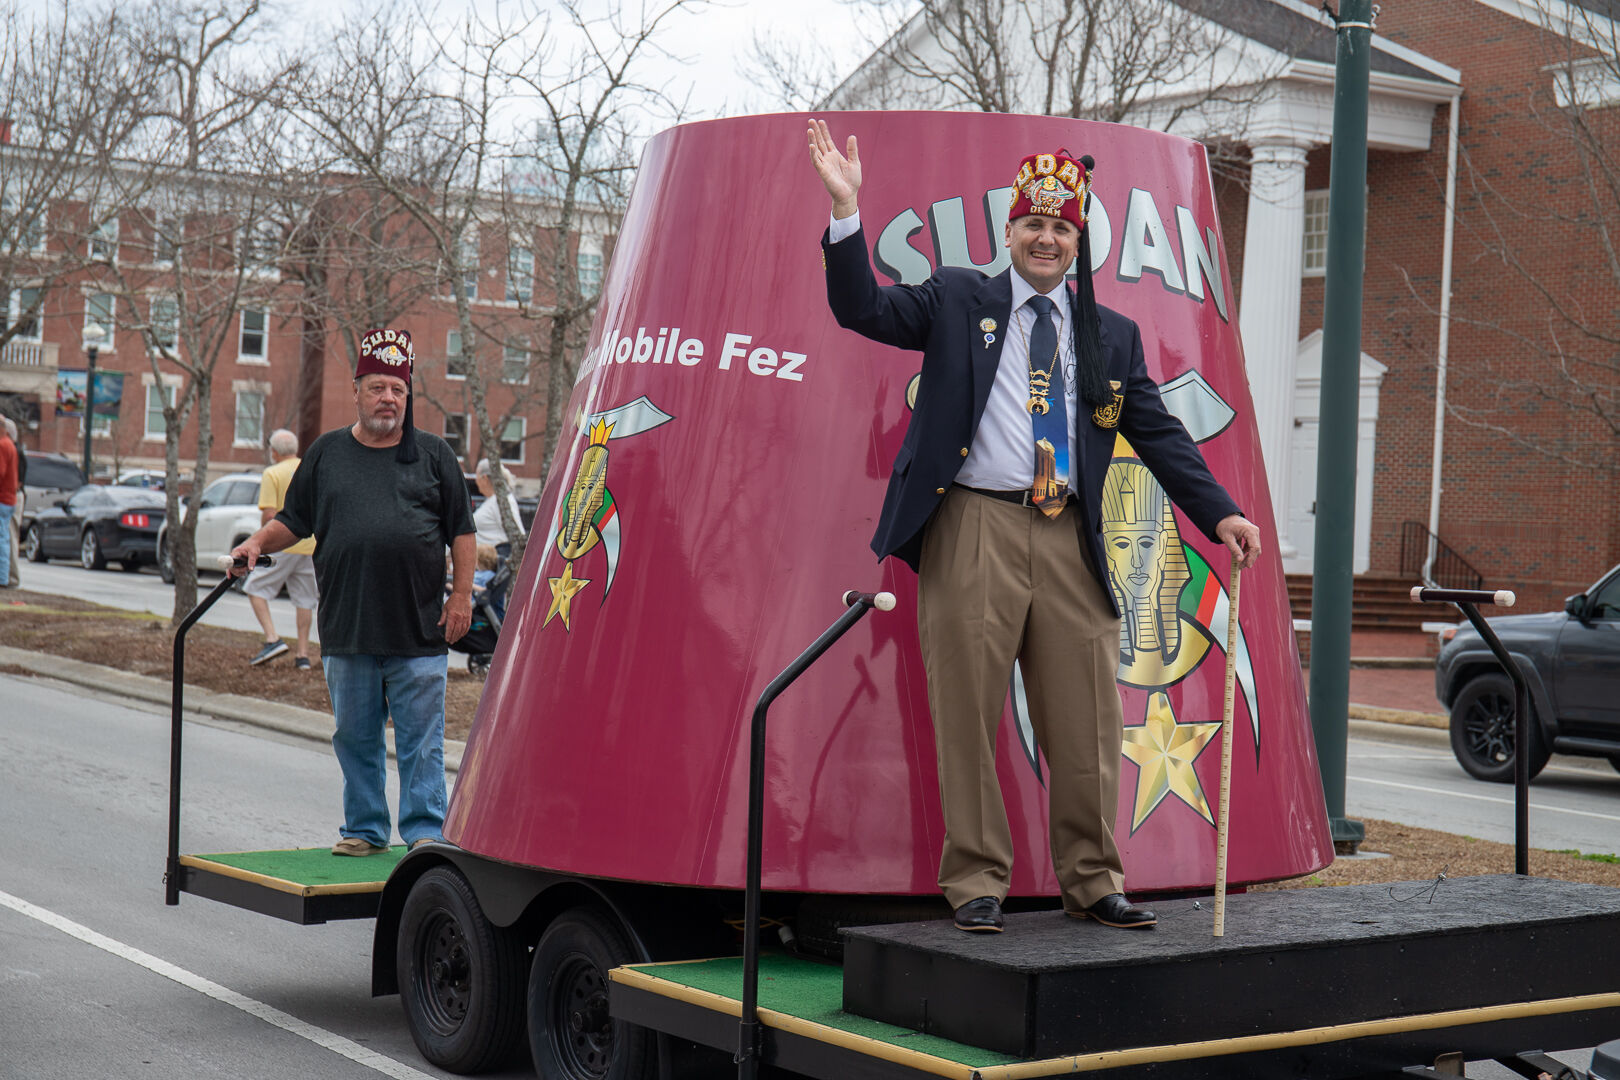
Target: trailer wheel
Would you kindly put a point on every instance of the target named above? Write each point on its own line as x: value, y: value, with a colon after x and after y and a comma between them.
x: 571, y: 1035
x: 460, y: 977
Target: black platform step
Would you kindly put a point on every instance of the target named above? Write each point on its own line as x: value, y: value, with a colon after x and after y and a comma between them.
x: 1290, y: 960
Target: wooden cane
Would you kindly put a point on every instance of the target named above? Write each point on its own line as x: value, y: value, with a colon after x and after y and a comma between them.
x: 1223, y: 827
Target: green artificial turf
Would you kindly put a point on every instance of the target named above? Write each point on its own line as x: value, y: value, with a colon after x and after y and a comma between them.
x: 314, y: 866
x: 813, y: 992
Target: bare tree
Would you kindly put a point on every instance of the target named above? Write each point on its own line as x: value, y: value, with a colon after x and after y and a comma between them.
x: 210, y: 241
x: 1560, y: 247
x: 72, y: 100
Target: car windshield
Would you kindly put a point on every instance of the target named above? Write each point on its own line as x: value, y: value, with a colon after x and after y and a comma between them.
x: 51, y: 473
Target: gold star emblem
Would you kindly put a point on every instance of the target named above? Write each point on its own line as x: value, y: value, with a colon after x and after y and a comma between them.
x: 562, y: 594
x: 1164, y: 752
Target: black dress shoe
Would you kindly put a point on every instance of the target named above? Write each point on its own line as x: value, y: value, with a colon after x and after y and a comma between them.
x: 1115, y: 910
x: 981, y: 916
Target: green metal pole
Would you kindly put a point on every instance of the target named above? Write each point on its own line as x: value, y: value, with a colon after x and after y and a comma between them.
x: 1341, y: 378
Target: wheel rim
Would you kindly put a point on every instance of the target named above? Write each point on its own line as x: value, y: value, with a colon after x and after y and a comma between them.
x: 443, y: 973
x: 31, y: 545
x: 579, y: 1017
x: 1488, y: 729
x: 87, y: 549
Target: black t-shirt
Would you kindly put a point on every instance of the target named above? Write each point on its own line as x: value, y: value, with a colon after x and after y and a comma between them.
x: 380, y: 529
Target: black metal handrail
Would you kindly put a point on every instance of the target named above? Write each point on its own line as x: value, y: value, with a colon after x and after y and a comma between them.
x: 857, y: 604
x: 177, y: 695
x: 1449, y: 569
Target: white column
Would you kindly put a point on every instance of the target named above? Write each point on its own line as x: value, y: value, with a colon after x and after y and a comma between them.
x: 1273, y: 247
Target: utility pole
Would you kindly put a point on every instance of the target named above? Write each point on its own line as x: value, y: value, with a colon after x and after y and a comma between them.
x: 1341, y: 378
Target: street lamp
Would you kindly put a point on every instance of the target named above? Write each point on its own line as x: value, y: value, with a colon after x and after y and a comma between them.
x: 93, y: 337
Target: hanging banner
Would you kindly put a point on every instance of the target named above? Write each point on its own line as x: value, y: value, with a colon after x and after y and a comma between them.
x: 70, y: 392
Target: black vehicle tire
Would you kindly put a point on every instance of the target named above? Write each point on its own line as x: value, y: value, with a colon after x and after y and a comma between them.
x: 90, y: 556
x: 1482, y: 730
x: 571, y: 1035
x: 165, y: 567
x: 460, y: 976
x: 34, y: 545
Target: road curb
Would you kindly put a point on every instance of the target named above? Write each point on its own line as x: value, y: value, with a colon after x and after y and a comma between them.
x: 269, y: 715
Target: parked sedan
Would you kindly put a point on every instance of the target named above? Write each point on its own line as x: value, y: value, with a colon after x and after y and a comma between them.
x: 1570, y: 658
x: 97, y: 524
x: 227, y: 515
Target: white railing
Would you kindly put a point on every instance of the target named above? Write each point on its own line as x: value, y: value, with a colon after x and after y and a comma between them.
x: 29, y: 354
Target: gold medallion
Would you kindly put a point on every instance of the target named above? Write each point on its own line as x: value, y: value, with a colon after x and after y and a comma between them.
x: 987, y: 325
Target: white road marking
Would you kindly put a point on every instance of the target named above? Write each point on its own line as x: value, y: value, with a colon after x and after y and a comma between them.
x: 1484, y: 798
x: 270, y: 1015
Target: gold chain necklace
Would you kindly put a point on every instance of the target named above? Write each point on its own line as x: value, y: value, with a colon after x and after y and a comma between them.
x: 1040, y: 382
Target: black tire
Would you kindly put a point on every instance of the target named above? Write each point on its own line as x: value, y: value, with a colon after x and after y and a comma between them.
x: 460, y: 977
x: 571, y: 1035
x: 34, y: 545
x: 165, y: 566
x: 1482, y: 730
x: 90, y: 556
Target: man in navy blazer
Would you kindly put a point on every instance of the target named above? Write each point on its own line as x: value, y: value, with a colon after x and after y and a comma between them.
x: 995, y: 500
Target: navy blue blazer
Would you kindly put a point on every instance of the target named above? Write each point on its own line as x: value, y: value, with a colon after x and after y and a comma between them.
x: 941, y: 318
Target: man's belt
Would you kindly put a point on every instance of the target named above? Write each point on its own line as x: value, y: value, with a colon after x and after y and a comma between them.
x: 1022, y: 497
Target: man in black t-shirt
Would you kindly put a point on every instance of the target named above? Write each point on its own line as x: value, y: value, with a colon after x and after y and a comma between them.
x: 383, y: 501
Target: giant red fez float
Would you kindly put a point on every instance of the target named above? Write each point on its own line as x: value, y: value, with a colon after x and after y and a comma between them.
x: 716, y: 492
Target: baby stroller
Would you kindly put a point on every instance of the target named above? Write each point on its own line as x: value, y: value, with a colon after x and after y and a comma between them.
x: 488, y: 607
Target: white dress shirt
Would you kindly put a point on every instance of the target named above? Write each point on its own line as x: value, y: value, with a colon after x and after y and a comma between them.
x: 1002, y: 457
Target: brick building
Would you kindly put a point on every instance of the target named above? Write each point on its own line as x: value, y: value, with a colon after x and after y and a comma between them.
x: 1525, y: 490
x: 117, y: 277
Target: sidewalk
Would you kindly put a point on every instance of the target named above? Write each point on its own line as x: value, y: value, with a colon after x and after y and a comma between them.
x: 1392, y: 679
x: 269, y: 715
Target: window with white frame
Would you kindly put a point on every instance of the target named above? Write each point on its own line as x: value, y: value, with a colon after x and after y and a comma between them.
x: 100, y: 312
x: 165, y: 321
x: 588, y: 265
x: 512, y: 440
x: 249, y: 430
x: 520, y: 275
x: 1314, y: 263
x: 251, y: 340
x: 261, y: 247
x: 156, y: 398
x: 467, y: 253
x: 20, y: 314
x: 455, y: 433
x: 26, y: 223
x: 457, y: 363
x: 104, y: 236
x: 101, y: 426
x: 165, y: 239
x: 515, y: 362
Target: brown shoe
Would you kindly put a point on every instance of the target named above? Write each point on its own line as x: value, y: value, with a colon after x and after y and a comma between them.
x: 420, y: 840
x: 353, y: 845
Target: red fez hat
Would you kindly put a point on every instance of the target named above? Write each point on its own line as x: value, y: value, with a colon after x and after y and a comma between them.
x: 388, y: 352
x: 1053, y: 185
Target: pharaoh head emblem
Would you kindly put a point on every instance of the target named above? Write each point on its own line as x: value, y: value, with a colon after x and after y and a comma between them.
x: 1147, y: 566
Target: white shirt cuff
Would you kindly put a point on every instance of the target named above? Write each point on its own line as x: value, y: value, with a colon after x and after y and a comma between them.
x: 843, y: 228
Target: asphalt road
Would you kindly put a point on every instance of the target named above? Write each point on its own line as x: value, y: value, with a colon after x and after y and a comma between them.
x: 143, y: 590
x: 83, y: 791
x: 1574, y: 803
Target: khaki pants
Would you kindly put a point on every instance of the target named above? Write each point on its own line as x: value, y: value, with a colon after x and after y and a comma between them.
x: 999, y: 581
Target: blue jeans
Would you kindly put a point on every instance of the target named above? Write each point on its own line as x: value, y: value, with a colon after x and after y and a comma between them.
x: 5, y: 542
x: 365, y: 691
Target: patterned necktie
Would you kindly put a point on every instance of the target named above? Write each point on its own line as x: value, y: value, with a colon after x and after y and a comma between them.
x: 1048, y: 411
